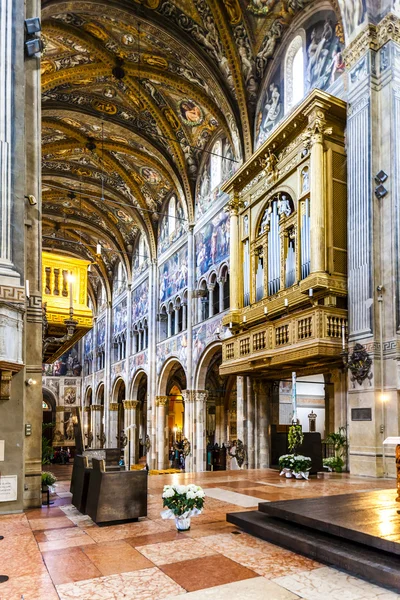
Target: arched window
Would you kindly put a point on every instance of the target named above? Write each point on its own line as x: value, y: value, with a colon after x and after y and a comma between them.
x: 294, y: 73
x: 216, y: 164
x: 172, y: 215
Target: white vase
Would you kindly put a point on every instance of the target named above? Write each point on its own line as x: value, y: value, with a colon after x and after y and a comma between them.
x: 182, y: 523
x: 298, y: 475
x: 288, y: 474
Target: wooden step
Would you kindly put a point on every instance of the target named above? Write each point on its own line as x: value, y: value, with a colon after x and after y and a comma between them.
x: 376, y: 566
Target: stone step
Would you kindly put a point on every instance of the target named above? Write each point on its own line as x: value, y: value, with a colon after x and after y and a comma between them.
x: 376, y: 566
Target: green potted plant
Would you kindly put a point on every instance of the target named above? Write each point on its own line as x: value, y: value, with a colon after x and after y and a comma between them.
x: 339, y: 442
x: 48, y: 479
x: 182, y: 503
x: 294, y: 464
x: 301, y: 466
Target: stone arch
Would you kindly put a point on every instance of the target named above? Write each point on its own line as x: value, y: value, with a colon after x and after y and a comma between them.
x: 170, y: 367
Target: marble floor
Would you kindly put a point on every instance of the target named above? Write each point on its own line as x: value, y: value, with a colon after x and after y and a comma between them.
x: 57, y: 553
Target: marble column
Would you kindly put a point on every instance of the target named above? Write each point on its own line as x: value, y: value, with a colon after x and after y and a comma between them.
x: 316, y: 129
x: 151, y: 416
x: 112, y: 438
x: 96, y: 413
x: 200, y: 406
x: 131, y: 431
x: 190, y: 306
x: 162, y: 431
x: 235, y: 283
x: 220, y: 424
x: 176, y: 309
x: 241, y: 413
x: 250, y: 421
x: 263, y: 425
x: 188, y: 428
x: 210, y: 300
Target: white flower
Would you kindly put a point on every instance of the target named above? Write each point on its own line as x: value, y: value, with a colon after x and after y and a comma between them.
x: 180, y: 489
x: 200, y: 493
x: 168, y: 493
x: 190, y: 495
x: 192, y: 487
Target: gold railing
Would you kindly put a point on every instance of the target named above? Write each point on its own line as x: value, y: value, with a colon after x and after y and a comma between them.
x: 319, y: 329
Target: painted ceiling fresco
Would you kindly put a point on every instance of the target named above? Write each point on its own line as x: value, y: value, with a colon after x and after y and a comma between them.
x: 133, y: 95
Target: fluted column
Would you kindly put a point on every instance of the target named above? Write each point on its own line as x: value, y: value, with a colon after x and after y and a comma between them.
x: 235, y: 280
x: 314, y: 140
x: 162, y: 431
x: 95, y: 417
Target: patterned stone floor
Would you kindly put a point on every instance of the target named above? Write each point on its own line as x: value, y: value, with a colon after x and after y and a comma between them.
x: 57, y: 553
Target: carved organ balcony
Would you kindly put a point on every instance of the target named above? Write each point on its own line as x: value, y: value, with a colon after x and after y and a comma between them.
x: 66, y: 315
x: 288, y: 281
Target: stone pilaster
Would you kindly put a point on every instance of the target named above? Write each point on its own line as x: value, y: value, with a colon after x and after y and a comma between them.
x: 373, y: 146
x: 152, y: 381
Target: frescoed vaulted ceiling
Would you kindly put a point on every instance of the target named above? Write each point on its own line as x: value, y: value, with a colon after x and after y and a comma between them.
x: 133, y: 93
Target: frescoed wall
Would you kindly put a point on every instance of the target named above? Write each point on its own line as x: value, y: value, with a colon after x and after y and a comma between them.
x: 323, y: 64
x: 68, y: 364
x: 173, y: 274
x: 120, y: 317
x: 101, y: 332
x: 88, y: 343
x: 140, y: 301
x: 176, y: 347
x: 203, y: 335
x: 212, y: 243
x: 138, y: 361
x: 169, y: 234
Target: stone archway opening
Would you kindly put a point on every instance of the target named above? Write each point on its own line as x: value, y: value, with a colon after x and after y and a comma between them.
x: 48, y: 425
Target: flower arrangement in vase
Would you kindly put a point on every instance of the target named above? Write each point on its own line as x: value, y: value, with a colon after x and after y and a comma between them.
x: 182, y: 503
x: 48, y: 480
x: 295, y: 465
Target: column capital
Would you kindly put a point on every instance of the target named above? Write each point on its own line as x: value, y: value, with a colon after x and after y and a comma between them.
x: 113, y: 406
x: 317, y: 129
x: 234, y: 204
x: 201, y: 395
x: 162, y: 400
x: 130, y: 404
x: 96, y: 407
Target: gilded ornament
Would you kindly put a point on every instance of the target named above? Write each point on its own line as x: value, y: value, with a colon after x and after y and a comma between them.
x: 104, y: 107
x: 155, y: 61
x: 234, y: 11
x: 96, y: 31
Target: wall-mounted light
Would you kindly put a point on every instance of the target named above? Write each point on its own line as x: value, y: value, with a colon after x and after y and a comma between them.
x: 30, y: 381
x: 286, y: 302
x: 98, y: 249
x: 381, y: 177
x: 380, y: 192
x: 33, y: 44
x: 311, y: 292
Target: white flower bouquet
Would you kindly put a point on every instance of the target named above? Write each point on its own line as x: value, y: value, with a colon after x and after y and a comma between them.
x: 182, y: 501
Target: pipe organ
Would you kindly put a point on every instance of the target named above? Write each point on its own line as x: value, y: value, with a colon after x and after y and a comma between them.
x: 288, y: 261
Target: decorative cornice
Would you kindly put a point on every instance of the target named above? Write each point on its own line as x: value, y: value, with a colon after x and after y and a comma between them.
x: 373, y: 37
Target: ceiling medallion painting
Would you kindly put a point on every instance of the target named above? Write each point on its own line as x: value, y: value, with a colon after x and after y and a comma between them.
x: 261, y: 7
x: 191, y: 113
